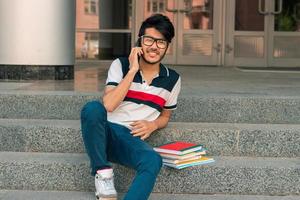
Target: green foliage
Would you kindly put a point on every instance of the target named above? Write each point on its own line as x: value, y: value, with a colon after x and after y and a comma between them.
x: 285, y: 23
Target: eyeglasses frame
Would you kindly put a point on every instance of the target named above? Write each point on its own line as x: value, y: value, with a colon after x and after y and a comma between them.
x: 154, y: 41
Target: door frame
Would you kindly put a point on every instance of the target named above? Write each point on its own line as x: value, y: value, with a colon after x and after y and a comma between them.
x: 268, y: 34
x: 230, y: 34
x: 280, y: 62
x: 215, y: 32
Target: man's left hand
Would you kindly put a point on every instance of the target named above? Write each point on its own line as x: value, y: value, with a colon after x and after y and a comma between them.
x: 143, y: 128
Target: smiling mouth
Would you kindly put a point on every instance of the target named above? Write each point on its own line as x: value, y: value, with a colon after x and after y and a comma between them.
x: 152, y: 57
x: 152, y: 54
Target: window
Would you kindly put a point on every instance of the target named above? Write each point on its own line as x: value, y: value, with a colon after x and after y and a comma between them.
x: 162, y: 6
x: 156, y: 6
x: 103, y: 37
x: 91, y: 7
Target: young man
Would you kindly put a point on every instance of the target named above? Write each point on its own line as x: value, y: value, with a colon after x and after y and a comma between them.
x: 139, y: 95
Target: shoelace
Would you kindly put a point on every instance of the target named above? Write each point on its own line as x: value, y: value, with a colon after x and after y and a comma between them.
x: 108, y: 183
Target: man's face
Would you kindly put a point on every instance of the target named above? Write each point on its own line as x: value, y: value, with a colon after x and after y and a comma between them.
x: 154, y: 46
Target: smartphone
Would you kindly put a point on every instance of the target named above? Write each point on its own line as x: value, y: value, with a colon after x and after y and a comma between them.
x: 138, y: 44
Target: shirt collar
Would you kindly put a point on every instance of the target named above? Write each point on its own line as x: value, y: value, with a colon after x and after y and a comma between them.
x: 163, y: 70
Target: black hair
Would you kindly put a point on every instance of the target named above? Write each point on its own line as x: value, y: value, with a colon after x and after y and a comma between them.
x: 161, y: 23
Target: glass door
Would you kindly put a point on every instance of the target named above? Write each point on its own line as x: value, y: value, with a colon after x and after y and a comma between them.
x: 100, y: 33
x: 198, y: 32
x: 284, y: 40
x: 246, y: 33
x: 263, y: 33
x: 196, y: 29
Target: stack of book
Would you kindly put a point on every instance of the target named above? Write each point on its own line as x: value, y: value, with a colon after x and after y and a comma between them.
x: 181, y: 154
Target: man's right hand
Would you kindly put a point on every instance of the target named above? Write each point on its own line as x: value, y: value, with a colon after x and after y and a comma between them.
x: 134, y: 58
x: 113, y: 96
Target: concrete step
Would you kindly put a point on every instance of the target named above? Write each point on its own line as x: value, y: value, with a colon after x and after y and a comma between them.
x: 241, y: 108
x: 269, y: 140
x: 228, y: 175
x: 58, y: 195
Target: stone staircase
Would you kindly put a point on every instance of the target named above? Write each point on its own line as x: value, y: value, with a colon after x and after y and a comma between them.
x: 255, y: 141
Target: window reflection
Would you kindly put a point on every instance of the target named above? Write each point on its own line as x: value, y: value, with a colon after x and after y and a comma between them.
x: 286, y: 47
x: 247, y: 17
x: 86, y: 16
x: 156, y: 6
x: 200, y: 15
x: 91, y: 7
x: 87, y: 45
x: 115, y: 14
x: 103, y: 28
x: 289, y: 18
x: 102, y: 14
x: 104, y: 46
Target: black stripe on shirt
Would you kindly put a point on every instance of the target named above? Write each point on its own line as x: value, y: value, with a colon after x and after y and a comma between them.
x: 148, y: 103
x: 171, y: 107
x: 166, y: 82
x: 125, y: 65
x: 112, y: 83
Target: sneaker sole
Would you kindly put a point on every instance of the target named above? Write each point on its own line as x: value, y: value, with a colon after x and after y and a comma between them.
x: 106, y: 198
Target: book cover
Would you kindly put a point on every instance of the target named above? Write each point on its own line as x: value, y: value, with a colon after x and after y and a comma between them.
x: 201, y: 161
x: 178, y: 148
x: 181, y: 161
x: 182, y: 157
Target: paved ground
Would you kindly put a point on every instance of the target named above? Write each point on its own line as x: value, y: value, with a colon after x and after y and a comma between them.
x: 195, y: 81
x: 45, y: 195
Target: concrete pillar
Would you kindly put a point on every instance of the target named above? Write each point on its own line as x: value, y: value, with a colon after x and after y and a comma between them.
x: 37, y: 32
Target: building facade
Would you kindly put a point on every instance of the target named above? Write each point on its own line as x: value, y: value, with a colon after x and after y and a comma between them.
x: 256, y: 33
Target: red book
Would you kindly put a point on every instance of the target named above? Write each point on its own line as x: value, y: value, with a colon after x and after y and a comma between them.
x: 178, y: 148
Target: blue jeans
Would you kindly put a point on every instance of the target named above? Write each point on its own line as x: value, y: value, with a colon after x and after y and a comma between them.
x: 107, y: 142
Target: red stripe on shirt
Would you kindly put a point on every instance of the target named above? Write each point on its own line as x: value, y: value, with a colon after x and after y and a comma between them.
x: 146, y: 97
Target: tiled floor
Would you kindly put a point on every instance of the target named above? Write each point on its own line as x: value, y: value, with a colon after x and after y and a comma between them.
x: 195, y: 81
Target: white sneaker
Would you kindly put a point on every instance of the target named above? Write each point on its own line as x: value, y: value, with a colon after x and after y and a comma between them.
x: 104, y: 183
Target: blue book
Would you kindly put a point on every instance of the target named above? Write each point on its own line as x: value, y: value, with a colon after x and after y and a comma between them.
x: 201, y: 161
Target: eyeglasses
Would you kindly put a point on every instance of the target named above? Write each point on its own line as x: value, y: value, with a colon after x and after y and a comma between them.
x: 160, y: 43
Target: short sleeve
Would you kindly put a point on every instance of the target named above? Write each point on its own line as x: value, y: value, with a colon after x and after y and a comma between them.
x: 171, y: 103
x: 115, y: 73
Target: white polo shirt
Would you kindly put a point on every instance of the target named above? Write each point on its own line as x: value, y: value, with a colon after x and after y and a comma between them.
x: 143, y: 101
